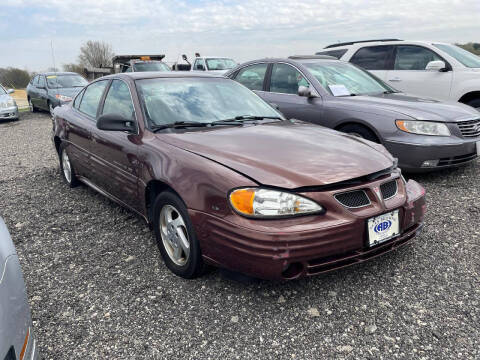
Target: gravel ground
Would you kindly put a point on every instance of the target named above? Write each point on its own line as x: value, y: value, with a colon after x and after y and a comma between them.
x: 99, y: 289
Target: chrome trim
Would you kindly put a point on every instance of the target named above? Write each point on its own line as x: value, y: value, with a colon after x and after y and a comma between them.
x: 352, y: 191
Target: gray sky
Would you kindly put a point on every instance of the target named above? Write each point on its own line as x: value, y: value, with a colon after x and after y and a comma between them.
x: 242, y: 30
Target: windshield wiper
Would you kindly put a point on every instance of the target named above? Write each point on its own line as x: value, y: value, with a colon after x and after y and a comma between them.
x: 184, y: 124
x: 390, y: 92
x: 251, y: 117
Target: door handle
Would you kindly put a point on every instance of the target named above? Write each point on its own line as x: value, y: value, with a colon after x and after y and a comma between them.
x: 395, y: 80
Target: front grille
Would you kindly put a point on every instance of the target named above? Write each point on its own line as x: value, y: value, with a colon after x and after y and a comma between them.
x: 457, y: 160
x: 353, y: 199
x: 470, y: 128
x: 389, y: 189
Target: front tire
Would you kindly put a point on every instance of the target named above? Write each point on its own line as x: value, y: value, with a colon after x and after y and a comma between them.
x: 474, y: 103
x: 66, y: 168
x: 360, y: 131
x: 176, y: 237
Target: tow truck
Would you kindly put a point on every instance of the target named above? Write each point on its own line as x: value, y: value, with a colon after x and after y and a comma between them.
x: 139, y: 63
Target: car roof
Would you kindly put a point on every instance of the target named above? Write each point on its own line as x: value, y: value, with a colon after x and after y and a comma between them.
x: 163, y: 74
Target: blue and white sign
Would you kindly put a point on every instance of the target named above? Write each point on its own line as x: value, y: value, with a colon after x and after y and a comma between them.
x: 382, y: 228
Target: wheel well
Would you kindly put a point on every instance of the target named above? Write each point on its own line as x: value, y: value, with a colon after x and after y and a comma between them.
x: 154, y: 187
x: 57, y: 142
x: 469, y: 96
x: 338, y: 127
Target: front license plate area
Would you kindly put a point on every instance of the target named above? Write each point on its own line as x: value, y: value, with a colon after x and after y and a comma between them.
x: 382, y: 228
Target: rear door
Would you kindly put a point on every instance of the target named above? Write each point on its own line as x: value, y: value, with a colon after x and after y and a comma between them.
x: 114, y: 153
x: 42, y: 94
x: 376, y: 59
x: 409, y: 74
x: 253, y: 77
x: 282, y: 90
x: 80, y: 125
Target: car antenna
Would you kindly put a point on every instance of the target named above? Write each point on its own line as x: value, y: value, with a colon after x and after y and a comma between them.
x: 54, y: 67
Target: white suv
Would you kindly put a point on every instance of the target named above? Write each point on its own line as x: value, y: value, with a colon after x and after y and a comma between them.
x: 437, y: 70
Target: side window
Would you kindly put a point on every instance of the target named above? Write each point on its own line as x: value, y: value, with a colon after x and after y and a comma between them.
x: 199, y: 64
x: 252, y: 76
x: 119, y: 101
x: 335, y: 53
x: 413, y: 57
x: 33, y: 81
x: 373, y: 57
x: 78, y: 98
x: 91, y: 98
x: 41, y: 81
x: 286, y: 79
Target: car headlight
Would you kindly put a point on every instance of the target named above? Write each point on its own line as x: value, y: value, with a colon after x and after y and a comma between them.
x: 423, y: 127
x: 63, y: 98
x: 11, y: 103
x: 260, y: 202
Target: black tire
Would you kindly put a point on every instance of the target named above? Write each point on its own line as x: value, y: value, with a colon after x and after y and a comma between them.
x: 32, y: 107
x: 194, y: 266
x: 474, y: 103
x: 73, y: 181
x: 361, y: 131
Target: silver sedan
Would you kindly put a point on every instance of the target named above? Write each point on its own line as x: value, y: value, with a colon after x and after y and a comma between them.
x: 17, y: 341
x: 8, y: 106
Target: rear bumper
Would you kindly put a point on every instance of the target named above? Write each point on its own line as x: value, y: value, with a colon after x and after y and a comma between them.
x: 325, y: 243
x: 411, y: 156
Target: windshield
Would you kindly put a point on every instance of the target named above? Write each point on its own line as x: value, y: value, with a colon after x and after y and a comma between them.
x: 65, y: 81
x: 342, y: 79
x: 463, y: 56
x: 220, y: 64
x: 202, y: 100
x: 151, y: 66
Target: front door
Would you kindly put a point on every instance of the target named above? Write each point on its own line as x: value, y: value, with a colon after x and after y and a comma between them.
x: 282, y: 90
x: 409, y: 74
x: 114, y: 153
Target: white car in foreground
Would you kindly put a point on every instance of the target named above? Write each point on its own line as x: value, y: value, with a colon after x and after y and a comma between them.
x: 430, y: 69
x: 214, y: 64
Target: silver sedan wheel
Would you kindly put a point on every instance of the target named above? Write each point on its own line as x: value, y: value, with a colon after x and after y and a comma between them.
x: 174, y: 235
x: 67, y: 168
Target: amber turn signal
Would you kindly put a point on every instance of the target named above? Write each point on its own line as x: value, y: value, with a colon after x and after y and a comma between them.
x: 242, y: 200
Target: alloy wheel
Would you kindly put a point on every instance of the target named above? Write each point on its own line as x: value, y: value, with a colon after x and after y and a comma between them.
x: 174, y: 235
x: 66, y: 166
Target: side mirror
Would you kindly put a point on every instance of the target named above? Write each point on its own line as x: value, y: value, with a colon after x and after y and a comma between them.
x: 437, y: 65
x: 184, y: 57
x: 10, y: 91
x: 115, y: 122
x: 304, y: 91
x: 200, y: 67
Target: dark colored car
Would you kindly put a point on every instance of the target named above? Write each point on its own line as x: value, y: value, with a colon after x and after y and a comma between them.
x: 49, y: 90
x: 227, y: 181
x: 139, y: 63
x: 424, y: 134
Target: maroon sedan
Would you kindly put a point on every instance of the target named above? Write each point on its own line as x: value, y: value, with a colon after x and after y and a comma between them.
x: 225, y: 180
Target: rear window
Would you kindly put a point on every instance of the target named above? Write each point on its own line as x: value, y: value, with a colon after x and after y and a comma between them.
x: 335, y: 53
x: 373, y: 57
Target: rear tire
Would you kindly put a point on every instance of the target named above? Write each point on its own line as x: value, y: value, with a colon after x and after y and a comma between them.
x: 66, y: 168
x: 176, y: 237
x: 31, y: 106
x: 474, y: 103
x: 360, y: 131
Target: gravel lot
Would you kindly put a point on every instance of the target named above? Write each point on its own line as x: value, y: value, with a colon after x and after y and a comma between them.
x: 99, y: 289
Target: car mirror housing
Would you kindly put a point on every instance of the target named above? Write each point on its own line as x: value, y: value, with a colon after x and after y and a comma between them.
x: 115, y: 122
x: 437, y: 65
x: 10, y: 91
x: 304, y: 91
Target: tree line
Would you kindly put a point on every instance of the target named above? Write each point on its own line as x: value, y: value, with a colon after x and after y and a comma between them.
x: 98, y: 54
x: 93, y: 54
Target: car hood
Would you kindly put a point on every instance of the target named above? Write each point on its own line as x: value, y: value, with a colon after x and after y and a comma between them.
x: 413, y: 107
x: 71, y: 92
x: 285, y: 154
